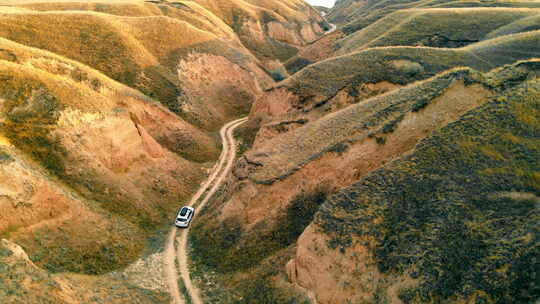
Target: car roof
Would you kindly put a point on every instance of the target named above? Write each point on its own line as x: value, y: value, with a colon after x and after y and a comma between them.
x: 183, y: 212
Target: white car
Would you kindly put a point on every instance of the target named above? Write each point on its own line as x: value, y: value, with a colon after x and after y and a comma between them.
x: 184, y: 216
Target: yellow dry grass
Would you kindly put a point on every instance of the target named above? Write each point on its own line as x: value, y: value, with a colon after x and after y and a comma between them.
x: 228, y: 10
x: 412, y: 26
x: 189, y: 11
x: 288, y: 9
x: 4, y: 141
x: 122, y: 8
x: 97, y: 40
x: 199, y: 16
x: 141, y: 52
x: 63, y: 77
x: 162, y: 35
x: 79, y: 87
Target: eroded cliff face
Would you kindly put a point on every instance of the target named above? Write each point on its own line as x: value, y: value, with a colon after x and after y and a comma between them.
x: 38, y: 213
x: 381, y: 238
x: 330, y: 152
x: 216, y: 90
x: 80, y: 149
x: 293, y: 168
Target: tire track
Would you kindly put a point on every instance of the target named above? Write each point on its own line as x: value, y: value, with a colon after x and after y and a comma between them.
x: 171, y: 255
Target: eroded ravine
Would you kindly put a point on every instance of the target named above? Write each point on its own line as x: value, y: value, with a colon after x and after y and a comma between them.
x: 180, y: 254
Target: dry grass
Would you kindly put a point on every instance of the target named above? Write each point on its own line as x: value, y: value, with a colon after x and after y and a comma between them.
x: 454, y: 27
x: 105, y: 47
x: 372, y: 116
x: 380, y: 64
x: 30, y: 284
x: 521, y: 25
x: 355, y: 16
x: 121, y: 8
x: 446, y: 199
x: 142, y: 52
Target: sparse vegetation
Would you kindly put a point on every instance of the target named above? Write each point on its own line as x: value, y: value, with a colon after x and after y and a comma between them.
x: 454, y: 28
x: 32, y: 112
x: 450, y: 218
x: 246, y: 133
x: 439, y: 217
x: 225, y: 247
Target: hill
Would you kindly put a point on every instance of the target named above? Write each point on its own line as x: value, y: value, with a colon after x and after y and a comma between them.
x: 286, y: 178
x: 354, y: 77
x: 456, y: 220
x: 391, y: 160
x: 356, y: 15
x: 123, y: 157
x: 455, y: 27
x: 137, y: 52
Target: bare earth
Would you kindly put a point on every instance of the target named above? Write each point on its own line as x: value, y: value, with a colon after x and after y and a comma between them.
x: 180, y: 254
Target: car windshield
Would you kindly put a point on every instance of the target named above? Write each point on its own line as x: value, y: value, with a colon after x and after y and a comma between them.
x: 181, y: 220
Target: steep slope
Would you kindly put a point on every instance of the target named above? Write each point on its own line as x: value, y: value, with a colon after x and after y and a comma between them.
x: 455, y: 221
x: 319, y: 50
x: 354, y: 77
x: 455, y: 27
x: 271, y: 29
x: 277, y: 186
x: 120, y: 151
x: 141, y: 52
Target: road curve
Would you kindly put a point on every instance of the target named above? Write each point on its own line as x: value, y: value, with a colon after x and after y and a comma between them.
x: 171, y: 255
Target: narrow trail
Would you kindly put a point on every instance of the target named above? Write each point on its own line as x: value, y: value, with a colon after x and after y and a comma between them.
x: 171, y: 255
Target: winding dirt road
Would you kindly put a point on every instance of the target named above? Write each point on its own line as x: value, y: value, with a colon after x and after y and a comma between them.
x: 180, y: 254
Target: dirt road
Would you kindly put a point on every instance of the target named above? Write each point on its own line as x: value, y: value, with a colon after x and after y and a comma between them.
x: 171, y: 255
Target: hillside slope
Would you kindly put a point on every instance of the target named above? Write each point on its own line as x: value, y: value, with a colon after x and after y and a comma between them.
x: 256, y: 220
x: 454, y: 221
x: 354, y: 15
x: 352, y: 78
x: 66, y: 124
x: 413, y: 24
x: 135, y: 43
x: 108, y: 113
x: 141, y: 52
x: 455, y: 27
